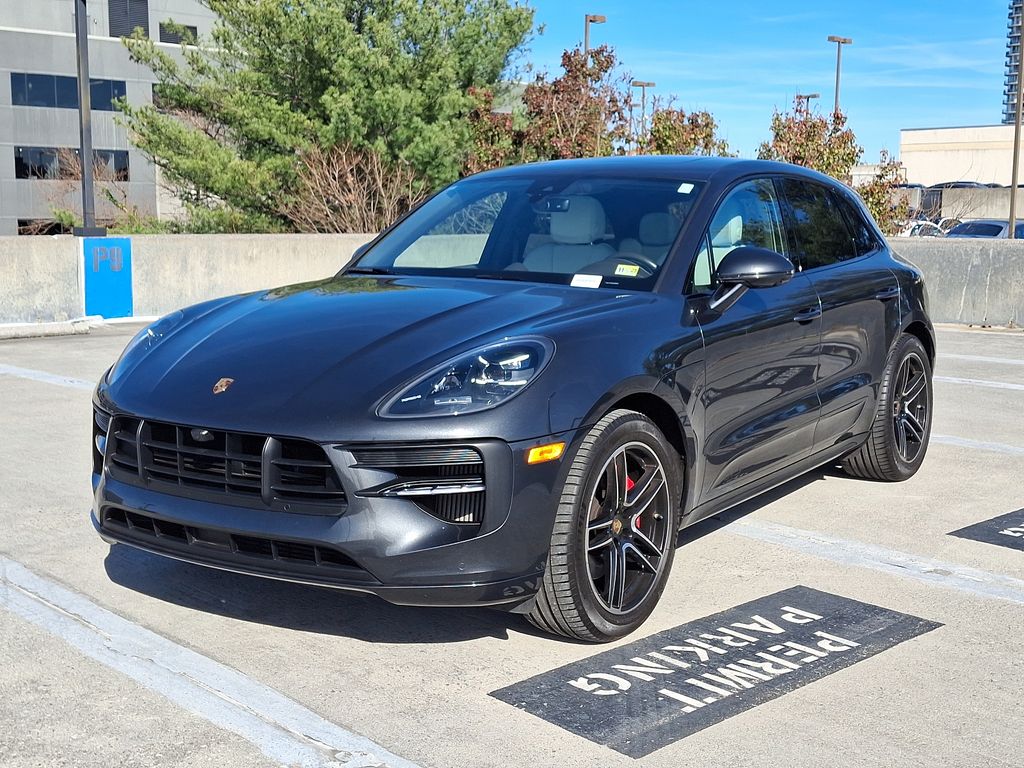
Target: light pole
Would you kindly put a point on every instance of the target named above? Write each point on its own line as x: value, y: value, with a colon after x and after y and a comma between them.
x: 840, y: 42
x: 804, y: 100
x: 1015, y: 173
x: 590, y: 18
x: 643, y: 85
x: 85, y: 121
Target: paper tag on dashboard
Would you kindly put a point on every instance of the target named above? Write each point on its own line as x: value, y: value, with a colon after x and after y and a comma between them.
x: 627, y: 270
x: 586, y: 281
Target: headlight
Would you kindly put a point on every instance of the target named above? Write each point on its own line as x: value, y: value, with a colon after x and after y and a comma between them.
x: 142, y: 342
x: 475, y: 381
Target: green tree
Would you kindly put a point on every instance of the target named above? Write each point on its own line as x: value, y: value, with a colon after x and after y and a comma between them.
x: 808, y: 138
x: 280, y: 81
x: 676, y: 132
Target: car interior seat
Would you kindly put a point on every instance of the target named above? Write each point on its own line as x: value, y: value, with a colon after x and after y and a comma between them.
x: 575, y: 236
x: 656, y: 232
x: 726, y: 235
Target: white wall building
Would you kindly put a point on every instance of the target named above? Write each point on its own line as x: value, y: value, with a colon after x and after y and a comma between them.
x: 981, y: 153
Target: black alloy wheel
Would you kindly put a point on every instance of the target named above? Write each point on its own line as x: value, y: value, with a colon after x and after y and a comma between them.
x: 627, y: 528
x: 615, y: 529
x: 910, y: 407
x: 898, y: 440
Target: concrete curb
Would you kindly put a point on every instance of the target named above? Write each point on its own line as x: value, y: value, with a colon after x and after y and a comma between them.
x: 37, y: 330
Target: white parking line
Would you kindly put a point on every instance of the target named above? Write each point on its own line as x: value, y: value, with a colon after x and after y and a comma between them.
x: 282, y: 729
x: 981, y: 445
x: 934, y: 572
x: 982, y: 359
x: 979, y: 382
x: 46, y: 378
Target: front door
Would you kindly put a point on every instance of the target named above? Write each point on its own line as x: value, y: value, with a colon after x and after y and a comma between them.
x: 848, y: 267
x: 759, y: 405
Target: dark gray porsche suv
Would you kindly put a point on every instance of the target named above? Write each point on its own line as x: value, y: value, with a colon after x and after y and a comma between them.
x: 519, y: 393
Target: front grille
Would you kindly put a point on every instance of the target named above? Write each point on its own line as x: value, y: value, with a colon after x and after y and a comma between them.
x: 282, y: 473
x: 205, y: 541
x: 445, y: 481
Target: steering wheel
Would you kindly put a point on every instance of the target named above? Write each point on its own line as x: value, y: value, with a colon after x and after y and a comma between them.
x: 640, y: 260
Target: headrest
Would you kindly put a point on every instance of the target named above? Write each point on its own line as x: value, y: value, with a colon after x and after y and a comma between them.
x: 731, y: 232
x: 658, y: 228
x: 582, y: 224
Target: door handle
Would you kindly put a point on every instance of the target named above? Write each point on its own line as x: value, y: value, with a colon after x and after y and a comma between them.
x: 888, y: 293
x: 805, y: 316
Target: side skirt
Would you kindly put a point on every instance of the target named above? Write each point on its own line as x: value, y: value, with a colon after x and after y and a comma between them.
x: 780, y: 477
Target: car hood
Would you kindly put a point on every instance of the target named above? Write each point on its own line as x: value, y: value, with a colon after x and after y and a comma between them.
x: 328, y: 351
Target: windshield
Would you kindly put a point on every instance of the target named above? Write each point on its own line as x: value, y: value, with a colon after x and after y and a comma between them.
x: 976, y: 229
x: 587, y: 231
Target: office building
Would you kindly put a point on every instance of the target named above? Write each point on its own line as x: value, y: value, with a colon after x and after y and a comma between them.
x: 39, y: 128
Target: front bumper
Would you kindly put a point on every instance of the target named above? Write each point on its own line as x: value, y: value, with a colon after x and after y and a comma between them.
x: 390, y: 547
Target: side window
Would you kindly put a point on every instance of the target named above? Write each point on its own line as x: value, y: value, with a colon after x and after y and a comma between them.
x: 749, y: 215
x: 701, y: 280
x: 864, y: 240
x: 457, y: 241
x: 819, y: 230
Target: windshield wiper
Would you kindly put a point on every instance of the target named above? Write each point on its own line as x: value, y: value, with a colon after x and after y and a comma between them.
x: 368, y: 271
x: 518, y: 276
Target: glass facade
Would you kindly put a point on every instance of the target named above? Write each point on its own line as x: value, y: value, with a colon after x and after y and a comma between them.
x: 54, y: 163
x: 61, y: 91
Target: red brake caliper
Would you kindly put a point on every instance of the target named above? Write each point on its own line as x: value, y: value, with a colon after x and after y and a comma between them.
x: 629, y: 487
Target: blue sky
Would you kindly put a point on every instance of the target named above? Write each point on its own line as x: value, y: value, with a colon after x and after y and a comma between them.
x: 912, y: 65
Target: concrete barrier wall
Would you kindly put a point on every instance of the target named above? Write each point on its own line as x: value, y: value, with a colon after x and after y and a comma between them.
x: 172, y: 271
x: 40, y: 279
x: 969, y: 280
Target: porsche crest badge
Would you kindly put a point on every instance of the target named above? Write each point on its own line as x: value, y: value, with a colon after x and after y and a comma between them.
x: 222, y: 386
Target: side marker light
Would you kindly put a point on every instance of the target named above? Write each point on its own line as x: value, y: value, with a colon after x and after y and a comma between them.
x: 541, y: 453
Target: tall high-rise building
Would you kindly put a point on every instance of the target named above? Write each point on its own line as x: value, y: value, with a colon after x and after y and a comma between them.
x: 39, y: 103
x: 1012, y: 60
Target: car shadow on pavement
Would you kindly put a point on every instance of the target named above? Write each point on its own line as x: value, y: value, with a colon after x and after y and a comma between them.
x: 301, y: 607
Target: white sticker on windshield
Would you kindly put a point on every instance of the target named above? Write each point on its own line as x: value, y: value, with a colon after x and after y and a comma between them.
x: 685, y: 188
x: 586, y: 281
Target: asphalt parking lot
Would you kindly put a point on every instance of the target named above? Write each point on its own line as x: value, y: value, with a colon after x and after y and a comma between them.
x: 117, y: 657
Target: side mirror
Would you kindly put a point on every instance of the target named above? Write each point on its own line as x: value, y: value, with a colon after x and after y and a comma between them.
x: 752, y: 267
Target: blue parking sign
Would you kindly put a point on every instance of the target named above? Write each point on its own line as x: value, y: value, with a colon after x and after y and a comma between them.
x: 108, y: 276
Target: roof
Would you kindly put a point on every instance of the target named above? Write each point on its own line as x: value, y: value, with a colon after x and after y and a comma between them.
x: 686, y: 167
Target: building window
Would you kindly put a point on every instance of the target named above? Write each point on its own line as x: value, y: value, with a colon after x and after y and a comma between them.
x: 35, y: 163
x: 60, y: 91
x: 128, y: 15
x: 61, y: 163
x: 169, y: 34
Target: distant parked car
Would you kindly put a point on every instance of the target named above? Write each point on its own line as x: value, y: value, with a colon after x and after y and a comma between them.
x: 921, y: 229
x: 959, y: 185
x: 995, y: 228
x: 948, y: 223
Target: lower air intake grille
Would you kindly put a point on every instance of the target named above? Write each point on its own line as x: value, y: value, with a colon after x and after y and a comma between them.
x: 435, y: 477
x: 144, y: 527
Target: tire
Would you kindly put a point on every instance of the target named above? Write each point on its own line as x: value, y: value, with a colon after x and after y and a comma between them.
x: 898, y: 440
x: 579, y: 596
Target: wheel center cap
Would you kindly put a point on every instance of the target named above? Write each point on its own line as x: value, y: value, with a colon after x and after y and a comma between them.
x: 616, y: 526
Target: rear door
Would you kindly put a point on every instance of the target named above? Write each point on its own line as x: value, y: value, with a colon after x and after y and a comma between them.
x: 848, y: 265
x: 759, y: 404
